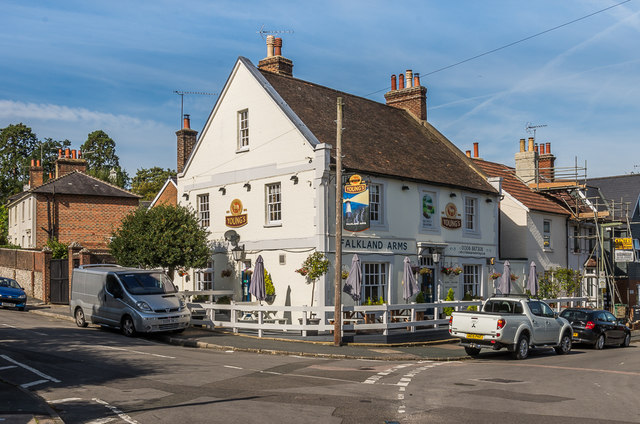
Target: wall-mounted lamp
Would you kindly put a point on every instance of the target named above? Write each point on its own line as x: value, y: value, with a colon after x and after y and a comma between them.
x: 435, y: 257
x: 247, y: 186
x: 186, y: 196
x: 310, y: 159
x: 489, y: 200
x: 294, y: 178
x: 405, y: 188
x: 452, y: 195
x: 223, y: 190
x: 237, y: 253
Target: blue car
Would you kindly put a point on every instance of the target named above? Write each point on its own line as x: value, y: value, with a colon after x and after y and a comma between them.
x: 11, y: 294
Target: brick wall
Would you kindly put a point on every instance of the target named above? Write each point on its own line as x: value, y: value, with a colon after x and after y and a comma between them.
x: 412, y: 99
x: 169, y: 196
x: 186, y: 142
x: 24, y: 266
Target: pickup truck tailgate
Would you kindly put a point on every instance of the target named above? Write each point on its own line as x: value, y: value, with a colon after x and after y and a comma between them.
x: 471, y: 323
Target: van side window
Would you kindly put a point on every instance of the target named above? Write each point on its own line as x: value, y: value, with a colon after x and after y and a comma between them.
x: 112, y: 285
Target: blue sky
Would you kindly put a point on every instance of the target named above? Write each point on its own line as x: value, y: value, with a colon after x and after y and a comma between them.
x: 71, y: 67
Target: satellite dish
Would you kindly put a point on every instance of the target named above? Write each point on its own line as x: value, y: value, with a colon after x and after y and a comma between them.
x: 232, y: 236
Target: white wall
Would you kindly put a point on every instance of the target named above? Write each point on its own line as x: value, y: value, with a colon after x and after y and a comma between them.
x: 22, y: 222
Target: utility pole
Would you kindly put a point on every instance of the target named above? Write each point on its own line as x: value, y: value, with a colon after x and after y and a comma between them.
x: 337, y: 314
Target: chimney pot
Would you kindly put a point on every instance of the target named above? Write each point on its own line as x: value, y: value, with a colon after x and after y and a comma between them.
x: 394, y: 83
x: 66, y: 153
x: 59, y: 153
x: 468, y: 153
x: 530, y: 145
x: 73, y: 153
x: 270, y: 39
x: 277, y: 43
x: 38, y: 162
x: 401, y: 82
x: 33, y: 162
x: 548, y: 148
x: 187, y: 121
x: 409, y: 75
x: 475, y: 150
x: 522, y: 145
x: 416, y: 80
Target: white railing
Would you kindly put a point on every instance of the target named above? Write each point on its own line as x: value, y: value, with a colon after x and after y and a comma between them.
x: 312, y: 320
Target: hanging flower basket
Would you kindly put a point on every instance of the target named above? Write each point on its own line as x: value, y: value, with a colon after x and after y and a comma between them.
x: 226, y: 273
x: 495, y: 275
x: 514, y: 277
x: 303, y: 271
x: 457, y: 270
x: 345, y: 274
x: 424, y: 271
x: 447, y: 270
x: 415, y: 268
x: 181, y: 272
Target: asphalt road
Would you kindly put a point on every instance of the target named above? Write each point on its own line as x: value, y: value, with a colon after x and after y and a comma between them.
x: 98, y: 376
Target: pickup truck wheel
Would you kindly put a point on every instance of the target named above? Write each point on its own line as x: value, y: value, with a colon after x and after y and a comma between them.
x: 522, y: 348
x: 472, y: 351
x: 599, y: 342
x: 565, y: 345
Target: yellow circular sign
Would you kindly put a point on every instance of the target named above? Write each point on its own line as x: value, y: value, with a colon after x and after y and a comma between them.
x: 236, y: 207
x: 450, y: 210
x: 355, y: 179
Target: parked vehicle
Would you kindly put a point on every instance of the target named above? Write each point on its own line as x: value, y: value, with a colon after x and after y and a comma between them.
x: 597, y: 327
x: 11, y: 294
x: 516, y: 323
x: 134, y: 300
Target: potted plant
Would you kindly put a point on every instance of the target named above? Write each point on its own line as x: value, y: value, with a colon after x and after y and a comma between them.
x: 314, y: 267
x: 447, y: 311
x: 269, y: 288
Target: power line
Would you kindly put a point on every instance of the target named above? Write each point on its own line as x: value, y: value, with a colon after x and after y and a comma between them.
x: 516, y: 42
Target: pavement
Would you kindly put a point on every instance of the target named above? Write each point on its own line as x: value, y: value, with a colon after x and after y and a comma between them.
x: 436, y: 346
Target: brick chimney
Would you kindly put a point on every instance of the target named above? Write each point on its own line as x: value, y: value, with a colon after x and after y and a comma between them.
x: 36, y: 174
x: 546, y: 163
x: 527, y: 161
x: 412, y: 98
x: 186, y: 142
x: 275, y: 62
x: 69, y: 161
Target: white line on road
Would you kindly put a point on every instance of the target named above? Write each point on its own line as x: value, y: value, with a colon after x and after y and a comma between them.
x: 8, y: 367
x: 11, y: 326
x: 65, y: 400
x: 231, y: 366
x: 135, y: 351
x: 116, y: 411
x: 102, y: 420
x: 33, y: 383
x: 33, y: 370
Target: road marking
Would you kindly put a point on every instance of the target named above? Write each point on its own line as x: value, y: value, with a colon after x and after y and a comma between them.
x: 135, y: 351
x: 33, y: 370
x: 575, y: 369
x: 232, y: 367
x: 17, y: 328
x: 65, y: 400
x: 8, y: 367
x: 116, y: 411
x: 102, y: 420
x: 33, y: 383
x: 11, y: 326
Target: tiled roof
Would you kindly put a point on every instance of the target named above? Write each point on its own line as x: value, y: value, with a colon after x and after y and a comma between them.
x: 78, y: 183
x: 378, y: 139
x: 518, y: 189
x: 617, y: 189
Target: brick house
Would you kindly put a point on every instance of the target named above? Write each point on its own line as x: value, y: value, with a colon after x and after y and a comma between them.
x: 168, y: 194
x: 72, y: 207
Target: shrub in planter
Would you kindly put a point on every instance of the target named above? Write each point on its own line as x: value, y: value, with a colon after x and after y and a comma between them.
x: 450, y: 296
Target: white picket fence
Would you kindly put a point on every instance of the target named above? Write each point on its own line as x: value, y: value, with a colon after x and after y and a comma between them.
x: 306, y: 320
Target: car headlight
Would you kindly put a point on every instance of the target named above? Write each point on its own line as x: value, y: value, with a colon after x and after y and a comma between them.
x: 182, y: 305
x: 143, y: 306
x: 22, y: 296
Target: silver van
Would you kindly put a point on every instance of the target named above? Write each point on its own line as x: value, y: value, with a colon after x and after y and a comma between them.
x: 134, y: 300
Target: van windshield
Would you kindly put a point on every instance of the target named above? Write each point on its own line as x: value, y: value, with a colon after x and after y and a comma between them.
x: 147, y: 283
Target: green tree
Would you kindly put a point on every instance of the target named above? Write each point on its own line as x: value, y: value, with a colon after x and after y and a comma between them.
x: 102, y: 162
x: 148, y: 182
x: 4, y: 224
x: 49, y: 153
x: 18, y: 144
x: 164, y: 236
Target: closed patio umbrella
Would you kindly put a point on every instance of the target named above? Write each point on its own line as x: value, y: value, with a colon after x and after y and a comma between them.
x: 532, y: 280
x: 256, y: 287
x: 408, y: 281
x: 505, y: 279
x: 354, y: 281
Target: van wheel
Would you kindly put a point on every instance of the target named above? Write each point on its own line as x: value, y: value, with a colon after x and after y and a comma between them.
x: 522, y: 348
x: 80, y: 320
x: 565, y: 345
x: 127, y: 326
x: 472, y: 351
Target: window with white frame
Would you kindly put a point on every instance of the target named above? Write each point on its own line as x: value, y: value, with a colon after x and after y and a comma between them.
x: 546, y: 234
x: 204, y: 277
x: 375, y: 204
x: 274, y: 203
x: 243, y: 129
x: 471, y: 280
x: 471, y: 214
x: 374, y: 281
x: 203, y: 209
x: 428, y: 208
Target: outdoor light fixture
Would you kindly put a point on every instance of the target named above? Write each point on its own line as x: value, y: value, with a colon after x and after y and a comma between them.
x: 237, y: 253
x: 223, y: 190
x: 247, y: 186
x: 294, y: 178
x: 489, y: 200
x: 452, y: 195
x: 186, y: 196
x: 435, y: 257
x: 405, y: 188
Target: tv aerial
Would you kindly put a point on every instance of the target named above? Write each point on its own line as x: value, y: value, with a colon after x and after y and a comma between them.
x: 262, y: 31
x: 530, y: 128
x: 182, y: 93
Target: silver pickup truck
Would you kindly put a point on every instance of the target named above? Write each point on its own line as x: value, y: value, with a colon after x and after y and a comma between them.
x: 514, y: 323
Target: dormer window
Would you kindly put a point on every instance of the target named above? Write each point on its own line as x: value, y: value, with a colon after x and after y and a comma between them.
x: 243, y: 130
